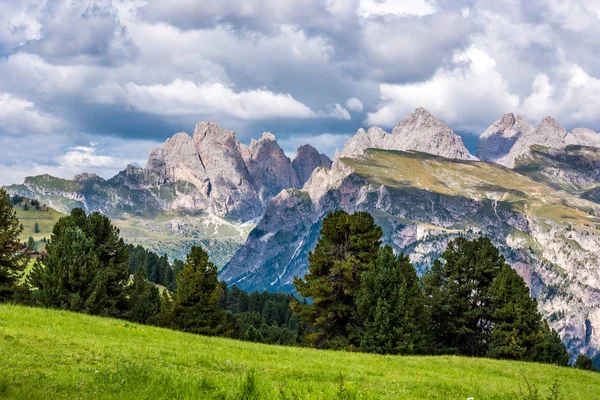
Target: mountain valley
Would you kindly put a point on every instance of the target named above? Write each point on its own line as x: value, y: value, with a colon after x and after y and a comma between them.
x: 533, y: 190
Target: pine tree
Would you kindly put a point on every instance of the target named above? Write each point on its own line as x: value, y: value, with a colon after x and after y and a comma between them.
x: 36, y: 228
x: 86, y: 268
x: 480, y: 306
x: 517, y: 321
x: 177, y: 266
x: 348, y: 246
x: 585, y: 363
x: 195, y: 307
x: 30, y: 244
x: 550, y: 348
x: 12, y: 261
x: 457, y: 288
x: 392, y: 305
x: 143, y: 298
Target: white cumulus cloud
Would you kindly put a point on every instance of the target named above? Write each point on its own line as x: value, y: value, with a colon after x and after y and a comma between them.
x: 354, y: 104
x: 20, y: 116
x: 470, y: 95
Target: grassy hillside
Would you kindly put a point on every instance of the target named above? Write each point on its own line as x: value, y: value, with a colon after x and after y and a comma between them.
x: 54, y: 354
x: 46, y: 219
x: 475, y: 180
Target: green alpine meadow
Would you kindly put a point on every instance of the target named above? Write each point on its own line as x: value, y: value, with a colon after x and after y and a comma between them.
x: 50, y: 354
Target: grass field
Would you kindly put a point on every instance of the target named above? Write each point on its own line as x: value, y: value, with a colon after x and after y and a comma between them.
x: 55, y: 354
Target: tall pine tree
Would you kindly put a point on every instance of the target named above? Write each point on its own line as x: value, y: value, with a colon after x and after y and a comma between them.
x: 195, y: 306
x: 12, y: 259
x: 517, y: 322
x: 143, y: 298
x: 458, y: 292
x: 392, y: 305
x: 348, y: 246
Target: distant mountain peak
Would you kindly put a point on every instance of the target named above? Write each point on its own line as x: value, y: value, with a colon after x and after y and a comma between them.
x: 86, y: 177
x: 307, y: 160
x: 418, y: 131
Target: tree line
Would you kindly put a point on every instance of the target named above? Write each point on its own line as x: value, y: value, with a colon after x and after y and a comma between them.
x: 358, y: 294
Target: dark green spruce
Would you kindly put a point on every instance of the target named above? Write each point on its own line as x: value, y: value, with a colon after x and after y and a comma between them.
x: 12, y: 259
x: 348, y: 246
x: 391, y: 305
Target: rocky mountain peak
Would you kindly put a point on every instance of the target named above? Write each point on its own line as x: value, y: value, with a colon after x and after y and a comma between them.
x: 420, y: 116
x: 583, y: 137
x: 550, y: 129
x: 269, y: 168
x: 307, y: 160
x: 86, y: 178
x: 548, y: 133
x: 497, y: 141
x: 267, y: 136
x: 508, y: 121
x: 420, y: 131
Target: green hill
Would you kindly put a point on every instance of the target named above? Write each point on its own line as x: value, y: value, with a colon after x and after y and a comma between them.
x: 45, y: 217
x: 54, y: 354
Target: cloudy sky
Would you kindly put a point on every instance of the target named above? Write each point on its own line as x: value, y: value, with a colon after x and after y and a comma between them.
x: 93, y: 85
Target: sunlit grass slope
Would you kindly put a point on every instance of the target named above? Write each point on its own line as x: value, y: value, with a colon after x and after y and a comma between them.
x: 475, y: 180
x: 45, y: 217
x: 53, y: 354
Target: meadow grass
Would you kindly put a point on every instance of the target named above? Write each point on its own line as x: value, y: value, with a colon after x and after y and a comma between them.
x: 61, y: 355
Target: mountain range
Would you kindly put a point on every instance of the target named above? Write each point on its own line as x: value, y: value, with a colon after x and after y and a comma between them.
x: 535, y: 191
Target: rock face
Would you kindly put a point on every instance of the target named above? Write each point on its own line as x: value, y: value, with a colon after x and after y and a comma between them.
x: 497, y: 141
x: 307, y: 160
x: 511, y: 138
x: 583, y: 137
x: 231, y: 188
x: 419, y: 131
x: 231, y: 179
x: 270, y: 169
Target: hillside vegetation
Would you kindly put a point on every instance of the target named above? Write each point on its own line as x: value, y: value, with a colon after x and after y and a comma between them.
x: 57, y: 354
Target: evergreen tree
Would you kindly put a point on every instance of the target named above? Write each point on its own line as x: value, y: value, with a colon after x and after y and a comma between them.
x: 36, y: 228
x: 550, y: 348
x: 12, y: 260
x: 480, y: 306
x: 195, y: 307
x: 458, y: 292
x: 143, y: 298
x: 392, y: 305
x: 30, y: 244
x: 517, y: 322
x: 348, y: 246
x: 585, y: 363
x: 86, y: 266
x: 177, y: 266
